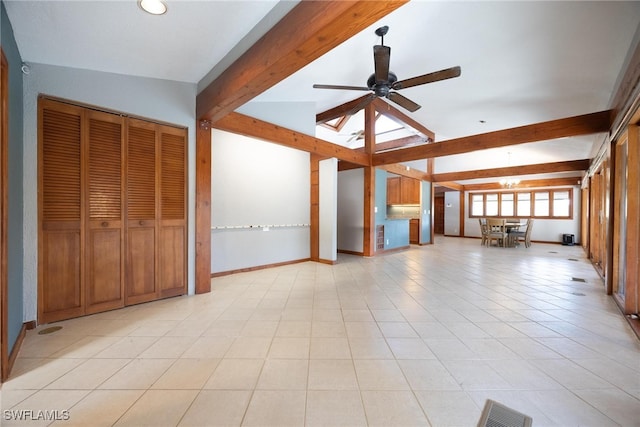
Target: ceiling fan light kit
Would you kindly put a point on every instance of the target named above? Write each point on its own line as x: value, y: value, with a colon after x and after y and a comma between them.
x: 384, y: 83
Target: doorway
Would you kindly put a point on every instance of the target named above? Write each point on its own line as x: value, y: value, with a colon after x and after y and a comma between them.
x: 438, y: 214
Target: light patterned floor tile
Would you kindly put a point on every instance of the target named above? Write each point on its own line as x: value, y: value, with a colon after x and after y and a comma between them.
x: 213, y: 408
x: 380, y: 375
x: 158, y: 408
x: 100, y: 408
x: 393, y: 408
x: 337, y: 408
x: 186, y: 374
x: 416, y: 337
x: 276, y: 408
x: 332, y: 375
x: 235, y: 374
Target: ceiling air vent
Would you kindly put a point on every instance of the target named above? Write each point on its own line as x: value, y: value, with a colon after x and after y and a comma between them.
x: 498, y: 415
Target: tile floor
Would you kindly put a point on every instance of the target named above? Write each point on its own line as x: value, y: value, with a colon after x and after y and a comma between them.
x: 420, y: 337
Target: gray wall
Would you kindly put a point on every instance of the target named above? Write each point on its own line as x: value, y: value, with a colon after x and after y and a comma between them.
x: 351, y: 210
x: 452, y: 213
x: 15, y: 169
x: 162, y: 100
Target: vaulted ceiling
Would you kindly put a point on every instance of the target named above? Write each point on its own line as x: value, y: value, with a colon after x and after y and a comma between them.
x: 522, y: 63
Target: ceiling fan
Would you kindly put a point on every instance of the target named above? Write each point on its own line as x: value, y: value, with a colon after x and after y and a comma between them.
x: 385, y: 83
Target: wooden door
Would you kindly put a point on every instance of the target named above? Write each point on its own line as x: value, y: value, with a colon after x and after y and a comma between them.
x: 105, y: 241
x: 597, y: 248
x: 438, y: 215
x: 626, y: 221
x: 172, y: 245
x: 60, y: 291
x: 141, y: 187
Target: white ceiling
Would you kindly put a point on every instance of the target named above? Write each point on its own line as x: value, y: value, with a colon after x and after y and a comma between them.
x: 522, y: 62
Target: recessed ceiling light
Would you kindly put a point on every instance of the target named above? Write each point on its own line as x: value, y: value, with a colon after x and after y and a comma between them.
x: 154, y: 7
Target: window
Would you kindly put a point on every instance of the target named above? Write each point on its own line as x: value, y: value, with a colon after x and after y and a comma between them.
x: 523, y: 204
x: 492, y: 204
x: 561, y: 204
x: 555, y: 203
x: 506, y: 204
x: 477, y: 205
x: 541, y: 203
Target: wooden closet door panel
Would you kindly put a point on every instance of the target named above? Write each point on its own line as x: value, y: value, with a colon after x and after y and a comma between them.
x: 60, y: 271
x: 105, y: 240
x: 104, y: 262
x: 61, y: 295
x: 141, y: 284
x: 173, y: 212
x: 172, y: 264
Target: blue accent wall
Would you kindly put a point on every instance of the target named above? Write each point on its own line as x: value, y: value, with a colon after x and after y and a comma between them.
x: 15, y: 173
x: 396, y: 231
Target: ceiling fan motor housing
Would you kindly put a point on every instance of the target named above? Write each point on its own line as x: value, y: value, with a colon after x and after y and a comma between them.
x: 381, y: 88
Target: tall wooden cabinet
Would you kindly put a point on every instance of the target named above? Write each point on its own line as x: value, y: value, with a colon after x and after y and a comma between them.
x: 112, y: 211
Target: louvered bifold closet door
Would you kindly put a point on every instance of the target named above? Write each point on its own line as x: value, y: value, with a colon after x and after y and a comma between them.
x: 105, y: 240
x: 60, y: 270
x: 172, y: 245
x: 141, y: 285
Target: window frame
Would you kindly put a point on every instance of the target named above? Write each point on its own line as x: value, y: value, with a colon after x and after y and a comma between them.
x: 514, y: 202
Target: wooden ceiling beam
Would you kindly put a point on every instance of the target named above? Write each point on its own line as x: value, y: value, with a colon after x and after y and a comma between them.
x: 396, y: 143
x: 568, y: 166
x: 410, y: 173
x: 308, y: 31
x: 346, y: 109
x: 451, y: 186
x: 388, y: 110
x: 572, y: 126
x: 248, y: 126
x: 534, y: 183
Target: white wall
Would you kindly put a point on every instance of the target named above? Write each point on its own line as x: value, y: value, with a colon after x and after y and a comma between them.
x: 256, y: 183
x: 162, y: 100
x: 351, y: 210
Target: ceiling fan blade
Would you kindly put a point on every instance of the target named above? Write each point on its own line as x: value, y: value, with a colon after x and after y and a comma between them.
x: 428, y: 78
x: 403, y: 101
x: 366, y: 100
x: 340, y: 87
x: 381, y: 58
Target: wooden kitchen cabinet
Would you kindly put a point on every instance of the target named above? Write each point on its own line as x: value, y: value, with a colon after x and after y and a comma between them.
x: 402, y: 190
x: 414, y: 231
x: 393, y: 191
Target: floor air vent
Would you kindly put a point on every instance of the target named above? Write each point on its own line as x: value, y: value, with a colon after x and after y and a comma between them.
x: 498, y: 415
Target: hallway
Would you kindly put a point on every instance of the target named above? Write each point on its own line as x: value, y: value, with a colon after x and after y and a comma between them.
x: 419, y: 337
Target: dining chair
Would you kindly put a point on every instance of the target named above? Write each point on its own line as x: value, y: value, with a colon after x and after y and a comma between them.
x: 525, y: 235
x: 497, y: 231
x: 484, y: 231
